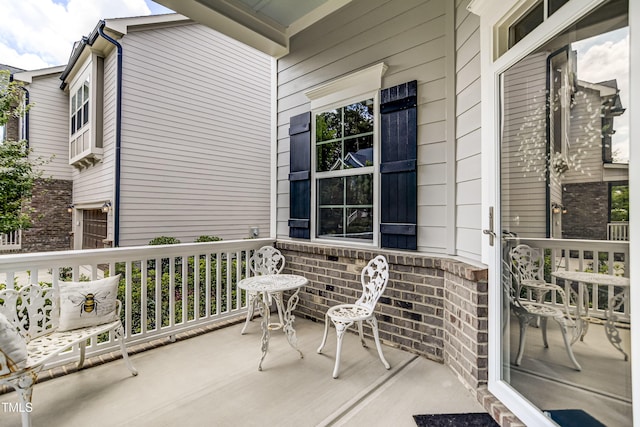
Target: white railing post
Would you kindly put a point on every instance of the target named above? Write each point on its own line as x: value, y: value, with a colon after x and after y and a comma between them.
x: 586, y: 257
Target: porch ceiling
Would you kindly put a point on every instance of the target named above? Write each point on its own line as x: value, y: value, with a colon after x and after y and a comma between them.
x: 265, y: 25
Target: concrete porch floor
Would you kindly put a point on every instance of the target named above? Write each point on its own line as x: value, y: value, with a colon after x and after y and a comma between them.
x: 213, y: 380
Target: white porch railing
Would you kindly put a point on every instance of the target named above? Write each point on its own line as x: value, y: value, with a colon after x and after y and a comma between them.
x: 165, y: 289
x: 598, y: 256
x: 11, y: 241
x: 618, y: 230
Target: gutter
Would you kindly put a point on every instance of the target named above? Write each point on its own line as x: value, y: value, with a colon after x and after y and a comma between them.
x: 116, y: 207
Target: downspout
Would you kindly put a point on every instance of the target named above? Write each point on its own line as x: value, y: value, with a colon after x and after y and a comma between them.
x: 548, y: 217
x: 26, y: 116
x: 116, y: 207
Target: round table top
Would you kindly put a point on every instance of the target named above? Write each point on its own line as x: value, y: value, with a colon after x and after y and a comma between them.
x: 594, y: 278
x: 272, y: 282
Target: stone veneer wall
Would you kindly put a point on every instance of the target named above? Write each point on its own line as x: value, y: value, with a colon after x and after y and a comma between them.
x: 51, y: 223
x: 434, y: 307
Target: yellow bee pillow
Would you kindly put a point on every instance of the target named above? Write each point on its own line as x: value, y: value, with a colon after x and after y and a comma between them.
x: 13, y: 348
x: 85, y: 304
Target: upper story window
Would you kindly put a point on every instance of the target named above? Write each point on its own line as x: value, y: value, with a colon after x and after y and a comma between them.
x: 85, y: 113
x: 80, y: 106
x: 344, y: 152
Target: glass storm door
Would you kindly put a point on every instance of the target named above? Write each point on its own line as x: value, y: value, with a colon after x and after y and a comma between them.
x: 564, y: 211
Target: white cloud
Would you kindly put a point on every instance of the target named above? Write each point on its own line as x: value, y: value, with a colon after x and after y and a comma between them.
x: 604, y: 58
x: 40, y: 33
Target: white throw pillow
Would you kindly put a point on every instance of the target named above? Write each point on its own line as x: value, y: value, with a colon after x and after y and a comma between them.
x: 12, y: 346
x: 88, y: 303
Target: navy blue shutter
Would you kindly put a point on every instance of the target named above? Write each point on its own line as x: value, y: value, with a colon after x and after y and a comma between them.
x: 398, y: 166
x: 300, y: 175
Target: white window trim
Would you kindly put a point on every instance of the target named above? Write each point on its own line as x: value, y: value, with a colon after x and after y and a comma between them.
x: 494, y: 15
x: 355, y: 87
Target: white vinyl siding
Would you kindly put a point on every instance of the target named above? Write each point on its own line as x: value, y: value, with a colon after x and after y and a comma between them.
x: 524, y: 167
x: 195, y: 136
x: 409, y: 37
x: 48, y: 126
x: 468, y: 153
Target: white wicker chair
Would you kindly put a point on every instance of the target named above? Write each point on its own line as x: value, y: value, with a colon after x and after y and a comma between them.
x: 527, y: 267
x: 266, y: 260
x: 374, y: 278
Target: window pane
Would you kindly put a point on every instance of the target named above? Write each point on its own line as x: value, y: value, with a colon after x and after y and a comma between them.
x: 73, y: 104
x: 331, y: 191
x: 329, y: 155
x: 85, y: 113
x: 359, y: 190
x: 359, y: 223
x: 329, y: 125
x: 79, y: 97
x: 73, y: 124
x: 554, y: 5
x: 526, y: 24
x: 330, y: 222
x: 79, y: 120
x: 358, y: 152
x: 86, y: 92
x: 358, y: 118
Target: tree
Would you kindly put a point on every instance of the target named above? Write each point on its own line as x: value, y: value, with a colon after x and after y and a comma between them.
x: 17, y: 174
x: 620, y: 203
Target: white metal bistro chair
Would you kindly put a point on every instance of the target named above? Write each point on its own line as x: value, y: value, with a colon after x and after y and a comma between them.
x: 374, y: 278
x: 527, y: 267
x: 266, y: 260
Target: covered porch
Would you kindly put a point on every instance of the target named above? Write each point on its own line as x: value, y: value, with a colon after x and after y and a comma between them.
x: 212, y: 379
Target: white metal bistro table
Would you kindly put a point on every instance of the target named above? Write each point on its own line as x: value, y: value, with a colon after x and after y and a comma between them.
x: 264, y: 285
x: 615, y: 302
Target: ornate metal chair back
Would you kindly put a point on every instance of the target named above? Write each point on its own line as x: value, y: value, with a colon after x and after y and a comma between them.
x: 528, y: 263
x: 33, y: 309
x: 266, y: 260
x: 374, y: 278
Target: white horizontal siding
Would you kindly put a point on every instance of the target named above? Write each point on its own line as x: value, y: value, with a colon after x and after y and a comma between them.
x: 196, y: 136
x: 468, y: 143
x: 523, y: 149
x: 48, y: 126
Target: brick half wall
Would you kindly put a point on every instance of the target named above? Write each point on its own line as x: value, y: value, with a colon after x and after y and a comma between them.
x: 433, y: 307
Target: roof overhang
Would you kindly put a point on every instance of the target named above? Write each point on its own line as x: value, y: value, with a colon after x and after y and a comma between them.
x: 269, y: 33
x: 114, y: 28
x: 27, y: 76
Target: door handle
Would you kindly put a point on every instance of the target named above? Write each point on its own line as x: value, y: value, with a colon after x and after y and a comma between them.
x: 490, y: 232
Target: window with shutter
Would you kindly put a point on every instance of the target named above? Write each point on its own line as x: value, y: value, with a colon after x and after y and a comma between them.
x: 359, y: 162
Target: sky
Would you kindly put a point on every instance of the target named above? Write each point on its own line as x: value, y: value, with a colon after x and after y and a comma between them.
x: 37, y: 34
x: 611, y: 49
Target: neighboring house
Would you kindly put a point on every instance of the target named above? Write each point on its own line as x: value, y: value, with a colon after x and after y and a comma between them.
x: 581, y: 121
x: 151, y: 115
x: 44, y: 128
x: 425, y: 84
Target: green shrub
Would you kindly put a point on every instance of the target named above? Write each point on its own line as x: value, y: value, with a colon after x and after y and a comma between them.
x: 164, y: 240
x: 208, y: 239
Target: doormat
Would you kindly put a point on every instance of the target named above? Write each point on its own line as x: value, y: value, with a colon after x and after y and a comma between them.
x: 455, y: 420
x: 573, y: 418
